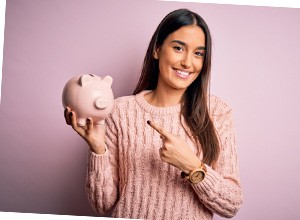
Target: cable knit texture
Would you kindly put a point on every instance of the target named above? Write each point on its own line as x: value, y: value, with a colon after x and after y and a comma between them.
x: 131, y: 181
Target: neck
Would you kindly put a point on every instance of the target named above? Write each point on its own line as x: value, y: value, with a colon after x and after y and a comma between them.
x: 164, y: 98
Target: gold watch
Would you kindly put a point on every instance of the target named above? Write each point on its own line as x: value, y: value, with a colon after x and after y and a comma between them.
x: 196, y: 175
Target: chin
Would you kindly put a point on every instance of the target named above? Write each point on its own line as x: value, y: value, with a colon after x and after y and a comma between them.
x: 180, y: 87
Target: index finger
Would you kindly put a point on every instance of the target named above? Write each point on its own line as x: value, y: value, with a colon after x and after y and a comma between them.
x: 159, y: 129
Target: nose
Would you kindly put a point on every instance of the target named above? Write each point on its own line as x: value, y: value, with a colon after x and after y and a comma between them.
x: 186, y: 61
x: 101, y: 103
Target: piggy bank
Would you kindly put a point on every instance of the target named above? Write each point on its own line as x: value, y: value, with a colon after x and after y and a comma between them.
x: 89, y: 96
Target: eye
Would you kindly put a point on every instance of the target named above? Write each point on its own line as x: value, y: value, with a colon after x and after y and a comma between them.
x: 178, y: 48
x: 199, y: 53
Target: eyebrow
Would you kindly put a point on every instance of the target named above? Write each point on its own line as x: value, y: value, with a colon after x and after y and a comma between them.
x: 184, y: 44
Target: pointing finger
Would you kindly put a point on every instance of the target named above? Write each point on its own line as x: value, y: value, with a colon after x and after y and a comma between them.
x: 163, y: 133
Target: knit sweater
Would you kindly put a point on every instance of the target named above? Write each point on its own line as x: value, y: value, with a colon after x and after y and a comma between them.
x: 131, y: 181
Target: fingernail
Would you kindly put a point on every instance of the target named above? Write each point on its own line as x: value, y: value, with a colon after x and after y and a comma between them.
x: 148, y: 122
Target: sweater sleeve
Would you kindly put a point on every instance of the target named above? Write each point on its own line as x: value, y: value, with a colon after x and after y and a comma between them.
x: 102, y: 177
x: 220, y: 191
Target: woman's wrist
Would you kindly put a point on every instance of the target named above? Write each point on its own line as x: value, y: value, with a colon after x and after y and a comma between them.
x: 99, y: 151
x: 194, y: 164
x: 97, y: 148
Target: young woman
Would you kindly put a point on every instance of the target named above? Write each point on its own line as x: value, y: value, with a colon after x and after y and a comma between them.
x: 169, y: 150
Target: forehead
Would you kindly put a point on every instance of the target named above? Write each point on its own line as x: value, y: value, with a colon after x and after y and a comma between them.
x: 192, y: 35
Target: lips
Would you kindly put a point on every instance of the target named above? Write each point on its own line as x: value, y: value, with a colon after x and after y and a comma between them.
x: 182, y: 74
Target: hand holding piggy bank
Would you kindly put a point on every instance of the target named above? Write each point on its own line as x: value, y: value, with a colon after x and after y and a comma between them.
x: 89, y: 96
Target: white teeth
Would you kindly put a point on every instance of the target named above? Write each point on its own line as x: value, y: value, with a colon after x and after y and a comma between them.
x: 183, y: 73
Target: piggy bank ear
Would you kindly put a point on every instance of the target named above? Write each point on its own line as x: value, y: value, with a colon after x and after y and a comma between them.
x: 108, y: 80
x: 85, y: 79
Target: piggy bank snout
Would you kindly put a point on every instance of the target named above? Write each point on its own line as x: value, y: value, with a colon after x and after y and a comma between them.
x: 101, y: 103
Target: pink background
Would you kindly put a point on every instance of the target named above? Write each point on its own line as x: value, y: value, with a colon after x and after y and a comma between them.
x: 255, y: 69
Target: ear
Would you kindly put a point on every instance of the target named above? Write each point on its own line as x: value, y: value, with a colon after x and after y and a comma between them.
x: 85, y: 79
x: 156, y: 53
x: 108, y: 80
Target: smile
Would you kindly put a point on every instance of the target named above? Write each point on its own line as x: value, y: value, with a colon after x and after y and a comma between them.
x: 182, y: 74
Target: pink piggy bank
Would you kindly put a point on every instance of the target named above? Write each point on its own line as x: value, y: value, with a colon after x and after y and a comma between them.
x: 89, y: 96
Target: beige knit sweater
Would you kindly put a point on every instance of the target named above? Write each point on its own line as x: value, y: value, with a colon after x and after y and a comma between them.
x: 131, y: 181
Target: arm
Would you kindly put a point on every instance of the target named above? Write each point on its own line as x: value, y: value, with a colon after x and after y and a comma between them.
x: 102, y: 177
x: 220, y: 191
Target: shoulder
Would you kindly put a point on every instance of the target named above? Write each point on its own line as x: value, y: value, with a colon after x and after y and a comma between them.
x: 122, y: 104
x: 217, y: 106
x: 221, y: 115
x: 123, y: 100
x: 130, y: 102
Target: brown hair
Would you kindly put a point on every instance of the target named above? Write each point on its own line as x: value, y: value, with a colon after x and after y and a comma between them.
x: 194, y: 104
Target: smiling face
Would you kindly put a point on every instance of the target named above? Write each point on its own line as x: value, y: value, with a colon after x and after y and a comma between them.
x: 180, y: 58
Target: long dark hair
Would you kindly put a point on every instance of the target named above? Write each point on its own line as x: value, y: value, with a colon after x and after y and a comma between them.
x: 194, y: 103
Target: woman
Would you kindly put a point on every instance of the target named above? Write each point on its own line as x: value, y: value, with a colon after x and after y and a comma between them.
x: 169, y: 150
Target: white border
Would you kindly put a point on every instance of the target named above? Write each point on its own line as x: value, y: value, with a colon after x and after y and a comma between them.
x: 2, y: 22
x: 34, y: 216
x: 17, y: 216
x: 270, y: 3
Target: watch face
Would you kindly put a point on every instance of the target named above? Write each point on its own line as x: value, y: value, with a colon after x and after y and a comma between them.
x: 197, y: 176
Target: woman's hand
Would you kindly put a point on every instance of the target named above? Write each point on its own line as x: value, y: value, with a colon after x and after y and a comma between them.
x: 93, y: 135
x: 175, y: 151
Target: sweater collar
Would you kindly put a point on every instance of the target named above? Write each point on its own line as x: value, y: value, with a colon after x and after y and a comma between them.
x: 140, y: 99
